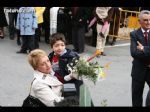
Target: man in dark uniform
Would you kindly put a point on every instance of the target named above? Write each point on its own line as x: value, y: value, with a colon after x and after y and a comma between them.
x: 140, y: 51
x: 46, y: 24
x: 79, y: 21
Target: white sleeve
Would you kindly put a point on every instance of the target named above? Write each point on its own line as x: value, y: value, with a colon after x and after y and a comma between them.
x: 45, y: 94
x: 67, y: 78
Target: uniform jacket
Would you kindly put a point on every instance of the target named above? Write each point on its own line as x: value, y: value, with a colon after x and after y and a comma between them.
x: 26, y: 21
x: 81, y: 13
x: 39, y: 13
x: 46, y: 88
x: 140, y: 59
x: 63, y: 61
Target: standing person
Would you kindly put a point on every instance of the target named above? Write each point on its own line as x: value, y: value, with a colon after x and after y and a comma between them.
x: 53, y: 19
x: 45, y: 85
x: 3, y: 22
x: 68, y: 25
x: 39, y: 14
x: 60, y: 57
x: 114, y: 25
x: 12, y: 15
x: 102, y: 17
x: 62, y: 22
x: 46, y: 24
x: 79, y: 21
x: 27, y: 23
x: 140, y: 51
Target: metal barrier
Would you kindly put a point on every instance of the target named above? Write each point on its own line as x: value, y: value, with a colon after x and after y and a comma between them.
x: 123, y: 23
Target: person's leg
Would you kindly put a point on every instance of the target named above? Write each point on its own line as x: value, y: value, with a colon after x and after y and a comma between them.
x: 74, y: 38
x: 104, y: 39
x: 1, y: 32
x: 80, y: 39
x: 99, y: 39
x: 115, y: 30
x: 46, y: 24
x: 68, y: 29
x: 94, y: 36
x: 31, y: 43
x: 103, y: 29
x: 24, y: 47
x: 11, y: 17
x: 147, y: 104
x: 37, y: 36
x: 137, y: 93
x: 18, y: 38
x: 17, y: 31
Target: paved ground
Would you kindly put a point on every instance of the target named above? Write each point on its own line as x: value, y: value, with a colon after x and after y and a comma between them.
x: 16, y: 75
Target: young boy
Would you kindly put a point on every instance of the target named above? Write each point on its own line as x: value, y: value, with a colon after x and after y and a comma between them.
x: 60, y: 57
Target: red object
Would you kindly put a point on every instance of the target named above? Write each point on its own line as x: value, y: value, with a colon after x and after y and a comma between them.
x: 146, y: 37
x: 55, y: 58
x: 61, y: 79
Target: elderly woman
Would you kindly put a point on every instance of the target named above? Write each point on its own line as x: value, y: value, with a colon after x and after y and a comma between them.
x: 45, y: 86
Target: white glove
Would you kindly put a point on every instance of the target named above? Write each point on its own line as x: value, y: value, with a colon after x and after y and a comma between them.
x: 72, y: 75
x: 67, y: 77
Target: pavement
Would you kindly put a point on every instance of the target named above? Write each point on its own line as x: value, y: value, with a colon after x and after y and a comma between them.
x: 16, y: 74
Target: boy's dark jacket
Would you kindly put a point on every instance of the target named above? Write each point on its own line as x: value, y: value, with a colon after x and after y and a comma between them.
x: 63, y: 61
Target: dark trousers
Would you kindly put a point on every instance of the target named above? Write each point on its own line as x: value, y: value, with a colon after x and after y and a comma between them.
x: 27, y: 43
x: 37, y: 35
x: 148, y: 99
x: 12, y: 23
x: 78, y: 37
x: 137, y: 89
x: 46, y: 24
x: 94, y: 36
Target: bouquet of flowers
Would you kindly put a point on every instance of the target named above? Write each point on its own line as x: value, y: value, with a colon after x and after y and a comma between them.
x: 84, y: 68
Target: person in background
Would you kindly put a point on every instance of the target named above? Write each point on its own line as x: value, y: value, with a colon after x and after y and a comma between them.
x: 3, y: 22
x: 46, y: 24
x: 53, y: 19
x: 114, y: 26
x: 140, y: 51
x: 102, y: 17
x: 79, y: 23
x: 12, y: 23
x: 45, y: 85
x: 27, y: 23
x: 60, y: 57
x: 39, y: 14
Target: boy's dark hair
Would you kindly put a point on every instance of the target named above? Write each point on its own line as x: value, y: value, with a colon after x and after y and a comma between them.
x: 56, y: 37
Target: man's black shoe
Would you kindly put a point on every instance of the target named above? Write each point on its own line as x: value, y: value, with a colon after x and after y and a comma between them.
x: 2, y: 37
x: 47, y: 42
x: 18, y: 42
x: 24, y: 52
x: 103, y: 54
x: 113, y: 43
